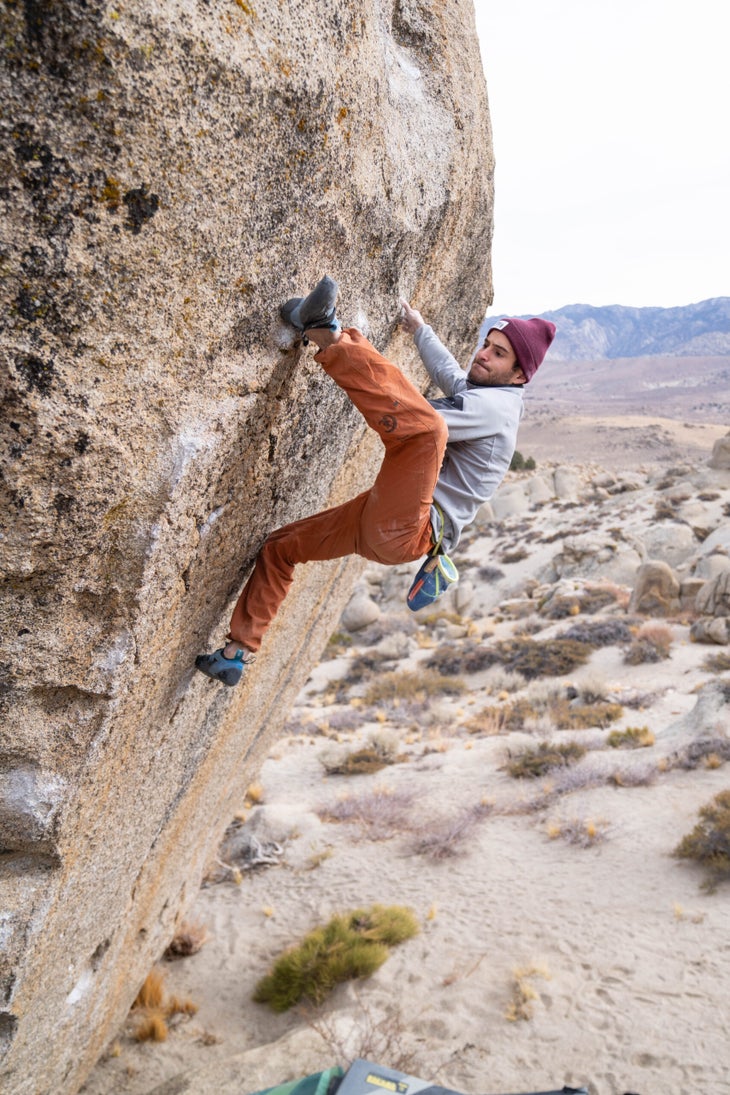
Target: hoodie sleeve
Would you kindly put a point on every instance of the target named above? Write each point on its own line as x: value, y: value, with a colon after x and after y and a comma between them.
x: 441, y: 366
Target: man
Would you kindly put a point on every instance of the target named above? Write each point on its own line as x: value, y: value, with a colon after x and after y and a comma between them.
x: 443, y: 459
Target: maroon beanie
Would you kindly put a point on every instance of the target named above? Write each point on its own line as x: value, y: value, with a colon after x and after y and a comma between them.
x: 529, y: 338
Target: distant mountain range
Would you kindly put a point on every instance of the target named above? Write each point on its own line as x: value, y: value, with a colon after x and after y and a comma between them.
x: 587, y: 333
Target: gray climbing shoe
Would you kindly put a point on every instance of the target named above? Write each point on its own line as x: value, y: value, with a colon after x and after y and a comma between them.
x: 315, y: 310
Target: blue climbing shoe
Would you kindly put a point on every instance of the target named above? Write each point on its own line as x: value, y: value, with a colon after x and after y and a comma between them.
x: 315, y: 310
x: 219, y: 668
x: 435, y: 576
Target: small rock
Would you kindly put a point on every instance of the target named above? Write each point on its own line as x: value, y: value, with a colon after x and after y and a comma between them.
x: 359, y: 613
x: 711, y: 629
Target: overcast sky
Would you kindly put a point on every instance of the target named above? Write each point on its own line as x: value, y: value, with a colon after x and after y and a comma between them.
x: 611, y: 122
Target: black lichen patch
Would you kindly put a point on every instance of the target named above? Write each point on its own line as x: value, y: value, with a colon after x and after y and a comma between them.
x: 36, y: 373
x: 141, y: 207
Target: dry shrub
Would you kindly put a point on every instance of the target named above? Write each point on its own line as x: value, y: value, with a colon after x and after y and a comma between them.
x: 592, y: 689
x: 516, y: 715
x: 514, y: 556
x: 600, y: 633
x: 490, y: 574
x: 651, y: 644
x: 552, y: 658
x: 541, y: 759
x: 413, y: 685
x: 371, y: 1037
x: 444, y: 838
x: 351, y: 945
x: 637, y: 775
x: 709, y: 841
x: 468, y: 657
x: 380, y: 813
x: 153, y: 1008
x: 498, y: 679
x: 717, y: 663
x: 697, y: 753
x: 360, y: 762
x: 188, y: 939
x: 582, y: 716
x: 488, y: 722
x: 633, y: 737
x: 583, y: 833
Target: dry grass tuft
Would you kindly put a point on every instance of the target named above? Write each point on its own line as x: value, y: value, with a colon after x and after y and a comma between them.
x: 254, y: 795
x: 524, y: 994
x: 152, y: 992
x: 487, y: 723
x: 155, y: 1008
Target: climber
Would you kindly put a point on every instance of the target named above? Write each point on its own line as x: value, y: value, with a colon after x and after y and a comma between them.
x: 443, y: 459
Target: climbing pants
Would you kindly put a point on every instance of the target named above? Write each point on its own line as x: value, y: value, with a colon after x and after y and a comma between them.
x: 390, y: 523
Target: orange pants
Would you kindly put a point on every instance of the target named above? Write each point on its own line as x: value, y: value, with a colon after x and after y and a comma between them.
x: 390, y: 523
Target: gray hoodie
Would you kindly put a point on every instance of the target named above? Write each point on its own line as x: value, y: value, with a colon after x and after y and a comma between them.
x: 482, y: 426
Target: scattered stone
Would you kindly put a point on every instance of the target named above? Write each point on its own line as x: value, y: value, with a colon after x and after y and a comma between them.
x: 711, y: 629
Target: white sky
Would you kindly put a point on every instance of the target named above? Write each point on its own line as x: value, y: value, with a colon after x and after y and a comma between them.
x: 611, y: 124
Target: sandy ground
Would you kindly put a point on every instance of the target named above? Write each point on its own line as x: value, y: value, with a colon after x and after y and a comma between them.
x: 626, y: 959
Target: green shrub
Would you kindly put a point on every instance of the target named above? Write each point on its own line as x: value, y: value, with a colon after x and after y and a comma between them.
x: 537, y: 761
x: 350, y: 946
x: 709, y: 841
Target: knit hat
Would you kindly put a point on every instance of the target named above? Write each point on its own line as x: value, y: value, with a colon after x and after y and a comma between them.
x: 529, y: 338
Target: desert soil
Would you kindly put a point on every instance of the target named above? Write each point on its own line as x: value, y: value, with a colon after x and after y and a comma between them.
x: 561, y: 941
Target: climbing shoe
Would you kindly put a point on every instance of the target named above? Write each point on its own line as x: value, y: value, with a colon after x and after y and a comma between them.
x: 219, y: 668
x: 316, y: 310
x: 435, y: 576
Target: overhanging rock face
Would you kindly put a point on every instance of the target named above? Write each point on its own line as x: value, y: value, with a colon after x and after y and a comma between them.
x: 170, y: 173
